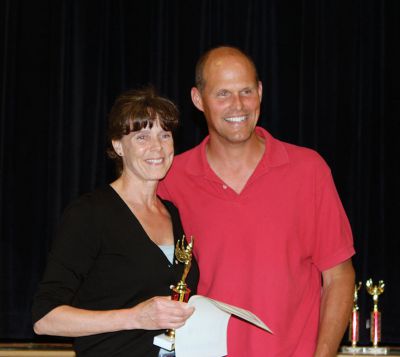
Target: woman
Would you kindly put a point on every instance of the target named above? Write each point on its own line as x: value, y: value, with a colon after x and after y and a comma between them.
x: 107, y: 282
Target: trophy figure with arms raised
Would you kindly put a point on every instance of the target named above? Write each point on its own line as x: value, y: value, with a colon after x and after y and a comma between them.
x: 375, y: 291
x: 375, y: 322
x: 180, y: 292
x: 354, y: 325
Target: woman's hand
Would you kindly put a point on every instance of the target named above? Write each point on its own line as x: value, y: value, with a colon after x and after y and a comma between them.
x: 159, y: 312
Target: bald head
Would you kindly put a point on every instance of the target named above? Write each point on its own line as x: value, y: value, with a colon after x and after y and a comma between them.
x: 215, y: 58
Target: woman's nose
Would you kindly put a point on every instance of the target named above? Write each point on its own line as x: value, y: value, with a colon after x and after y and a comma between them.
x: 155, y: 143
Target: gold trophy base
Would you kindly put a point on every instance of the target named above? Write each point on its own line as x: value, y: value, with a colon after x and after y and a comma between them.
x: 164, y: 341
x: 369, y: 350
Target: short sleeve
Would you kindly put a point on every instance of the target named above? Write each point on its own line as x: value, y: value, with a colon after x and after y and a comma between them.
x: 334, y: 240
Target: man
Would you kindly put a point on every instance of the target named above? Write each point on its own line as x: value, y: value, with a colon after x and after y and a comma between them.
x: 267, y: 220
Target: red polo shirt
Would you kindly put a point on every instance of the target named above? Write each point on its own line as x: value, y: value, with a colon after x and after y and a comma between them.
x: 265, y: 248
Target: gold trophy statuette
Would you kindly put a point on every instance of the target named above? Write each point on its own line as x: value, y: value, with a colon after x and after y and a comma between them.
x: 355, y: 318
x: 354, y: 326
x: 180, y: 292
x: 375, y: 291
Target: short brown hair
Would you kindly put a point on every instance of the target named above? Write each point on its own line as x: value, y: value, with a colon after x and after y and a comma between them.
x: 199, y: 71
x: 136, y: 109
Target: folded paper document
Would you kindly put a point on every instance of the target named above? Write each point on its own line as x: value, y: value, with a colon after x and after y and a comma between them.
x: 205, y: 332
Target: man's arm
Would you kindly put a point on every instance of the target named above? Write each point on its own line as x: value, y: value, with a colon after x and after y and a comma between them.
x: 336, y: 305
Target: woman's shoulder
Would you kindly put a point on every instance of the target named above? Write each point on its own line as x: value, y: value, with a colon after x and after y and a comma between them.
x: 92, y: 201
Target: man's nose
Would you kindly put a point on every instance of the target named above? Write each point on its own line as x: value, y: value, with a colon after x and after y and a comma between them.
x: 238, y: 102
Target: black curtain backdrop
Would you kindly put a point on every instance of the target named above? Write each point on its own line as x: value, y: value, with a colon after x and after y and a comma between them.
x: 330, y: 71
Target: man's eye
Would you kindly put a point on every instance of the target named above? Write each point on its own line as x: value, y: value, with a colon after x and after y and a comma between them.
x: 223, y: 93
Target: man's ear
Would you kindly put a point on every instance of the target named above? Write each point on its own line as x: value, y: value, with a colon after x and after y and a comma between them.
x: 260, y: 90
x: 196, y: 98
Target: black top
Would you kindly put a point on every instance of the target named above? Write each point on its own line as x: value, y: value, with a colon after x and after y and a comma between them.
x: 103, y: 259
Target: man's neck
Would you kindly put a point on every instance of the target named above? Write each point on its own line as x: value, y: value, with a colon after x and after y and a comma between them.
x: 234, y: 163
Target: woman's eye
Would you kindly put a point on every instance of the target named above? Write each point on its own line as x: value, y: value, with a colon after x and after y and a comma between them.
x: 141, y: 137
x: 166, y: 135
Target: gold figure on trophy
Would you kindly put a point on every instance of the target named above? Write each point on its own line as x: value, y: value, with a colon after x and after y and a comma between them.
x: 375, y: 291
x: 180, y: 292
x: 183, y: 255
x: 355, y: 318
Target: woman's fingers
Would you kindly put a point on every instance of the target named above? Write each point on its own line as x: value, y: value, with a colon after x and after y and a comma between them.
x: 161, y: 313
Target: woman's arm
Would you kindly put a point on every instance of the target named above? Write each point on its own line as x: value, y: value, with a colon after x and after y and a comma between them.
x: 156, y: 313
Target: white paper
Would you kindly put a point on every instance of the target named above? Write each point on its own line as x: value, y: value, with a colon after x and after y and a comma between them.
x: 205, y: 332
x: 242, y: 313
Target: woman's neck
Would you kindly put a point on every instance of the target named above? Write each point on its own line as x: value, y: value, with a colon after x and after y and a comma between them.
x: 136, y: 191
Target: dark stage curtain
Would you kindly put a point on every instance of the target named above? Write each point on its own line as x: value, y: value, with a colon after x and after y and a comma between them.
x: 330, y: 71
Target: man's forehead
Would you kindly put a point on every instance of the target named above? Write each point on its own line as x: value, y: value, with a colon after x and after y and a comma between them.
x: 233, y: 61
x: 221, y: 59
x: 230, y: 73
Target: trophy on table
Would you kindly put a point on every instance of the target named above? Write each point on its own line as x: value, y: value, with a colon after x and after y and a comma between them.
x: 354, y: 327
x: 180, y: 292
x: 375, y: 291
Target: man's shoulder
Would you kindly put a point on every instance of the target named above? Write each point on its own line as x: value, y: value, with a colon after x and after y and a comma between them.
x: 191, y: 158
x: 304, y: 156
x: 184, y: 156
x: 280, y: 152
x: 183, y: 168
x: 301, y: 152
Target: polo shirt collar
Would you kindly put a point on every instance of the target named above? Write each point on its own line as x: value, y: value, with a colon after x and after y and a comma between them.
x: 275, y: 154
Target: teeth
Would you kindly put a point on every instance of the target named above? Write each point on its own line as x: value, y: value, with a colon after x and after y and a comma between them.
x: 154, y: 161
x: 236, y: 119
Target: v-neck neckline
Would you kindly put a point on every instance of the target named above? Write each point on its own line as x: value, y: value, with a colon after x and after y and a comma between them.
x: 145, y: 234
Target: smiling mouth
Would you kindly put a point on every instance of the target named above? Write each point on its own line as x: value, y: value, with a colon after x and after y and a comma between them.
x: 236, y: 119
x: 154, y: 161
